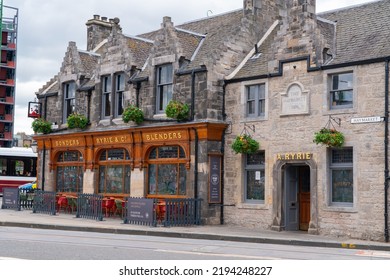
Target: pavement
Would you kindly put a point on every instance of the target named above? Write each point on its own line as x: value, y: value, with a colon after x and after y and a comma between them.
x: 62, y: 221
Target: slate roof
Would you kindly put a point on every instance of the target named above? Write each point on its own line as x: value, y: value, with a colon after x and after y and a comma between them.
x: 214, y: 30
x: 89, y: 61
x: 362, y: 31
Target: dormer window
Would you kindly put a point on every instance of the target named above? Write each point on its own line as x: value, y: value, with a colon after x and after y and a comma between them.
x: 106, y: 95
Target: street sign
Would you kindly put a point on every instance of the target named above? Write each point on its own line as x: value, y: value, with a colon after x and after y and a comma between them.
x: 367, y: 119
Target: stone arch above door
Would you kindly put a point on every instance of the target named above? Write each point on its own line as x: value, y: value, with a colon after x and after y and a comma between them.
x: 277, y: 193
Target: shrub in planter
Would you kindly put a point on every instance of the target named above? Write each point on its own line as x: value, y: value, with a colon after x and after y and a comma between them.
x: 133, y: 113
x: 177, y: 110
x: 40, y: 125
x: 245, y: 144
x: 76, y: 120
x: 329, y: 137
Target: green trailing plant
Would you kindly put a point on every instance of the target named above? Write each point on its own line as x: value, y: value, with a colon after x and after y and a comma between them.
x: 133, y: 113
x: 76, y: 120
x: 177, y: 110
x: 245, y: 144
x: 40, y: 125
x: 329, y: 137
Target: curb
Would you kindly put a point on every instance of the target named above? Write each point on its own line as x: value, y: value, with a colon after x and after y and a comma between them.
x: 207, y: 236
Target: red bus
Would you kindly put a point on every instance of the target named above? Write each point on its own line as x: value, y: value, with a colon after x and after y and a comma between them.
x: 17, y: 167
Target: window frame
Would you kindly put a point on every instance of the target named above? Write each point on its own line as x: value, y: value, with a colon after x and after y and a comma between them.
x: 333, y: 90
x: 106, y: 96
x: 124, y: 163
x: 63, y: 163
x: 348, y: 166
x: 254, y: 167
x: 120, y: 86
x: 69, y: 93
x: 161, y: 94
x: 180, y: 161
x: 257, y: 99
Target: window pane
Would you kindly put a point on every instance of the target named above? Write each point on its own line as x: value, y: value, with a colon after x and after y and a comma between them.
x: 153, y: 154
x: 342, y: 186
x: 342, y: 81
x: 69, y: 178
x: 255, y: 185
x: 251, y: 107
x: 107, y: 84
x: 255, y: 159
x: 120, y: 82
x: 115, y: 154
x: 167, y: 152
x: 167, y: 179
x: 102, y: 175
x: 127, y: 179
x: 114, y: 179
x: 182, y: 179
x: 119, y: 103
x: 342, y: 156
x: 152, y: 179
x: 107, y: 104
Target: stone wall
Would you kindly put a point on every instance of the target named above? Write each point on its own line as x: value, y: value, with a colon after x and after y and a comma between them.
x: 294, y: 133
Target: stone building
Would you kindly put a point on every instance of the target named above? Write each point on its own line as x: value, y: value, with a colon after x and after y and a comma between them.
x: 273, y: 70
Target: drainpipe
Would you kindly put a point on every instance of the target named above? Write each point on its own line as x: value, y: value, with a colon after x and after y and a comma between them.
x: 192, y: 72
x: 44, y: 152
x: 387, y: 178
x: 222, y: 220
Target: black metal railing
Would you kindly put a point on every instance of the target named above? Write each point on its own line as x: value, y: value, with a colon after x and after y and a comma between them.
x: 26, y: 199
x: 44, y: 202
x: 89, y: 206
x: 182, y: 212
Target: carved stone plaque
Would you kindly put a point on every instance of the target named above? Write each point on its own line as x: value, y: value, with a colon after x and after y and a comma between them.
x: 295, y: 101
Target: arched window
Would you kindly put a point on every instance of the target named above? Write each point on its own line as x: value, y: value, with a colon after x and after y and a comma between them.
x: 167, y: 174
x: 69, y: 172
x: 114, y: 172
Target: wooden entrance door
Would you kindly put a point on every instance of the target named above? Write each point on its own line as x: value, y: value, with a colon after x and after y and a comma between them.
x: 304, y: 196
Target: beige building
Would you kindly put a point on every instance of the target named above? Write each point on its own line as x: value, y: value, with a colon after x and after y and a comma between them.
x: 306, y: 73
x: 275, y: 71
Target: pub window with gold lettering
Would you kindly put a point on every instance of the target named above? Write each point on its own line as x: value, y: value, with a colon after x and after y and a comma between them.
x: 114, y: 172
x: 167, y: 174
x: 69, y: 172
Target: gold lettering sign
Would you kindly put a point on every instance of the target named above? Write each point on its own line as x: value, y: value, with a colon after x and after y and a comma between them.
x: 111, y: 139
x: 66, y: 143
x: 161, y: 136
x: 294, y: 156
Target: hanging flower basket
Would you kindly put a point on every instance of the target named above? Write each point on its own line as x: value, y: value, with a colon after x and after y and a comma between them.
x: 133, y: 113
x: 245, y: 144
x: 40, y: 125
x: 177, y: 110
x: 329, y: 137
x: 76, y: 120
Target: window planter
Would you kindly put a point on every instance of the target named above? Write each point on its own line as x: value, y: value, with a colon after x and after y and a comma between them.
x: 245, y: 144
x: 40, y: 125
x: 76, y: 120
x: 133, y: 113
x: 329, y: 137
x: 177, y: 110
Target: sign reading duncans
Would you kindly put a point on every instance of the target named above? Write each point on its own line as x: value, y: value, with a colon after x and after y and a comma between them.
x: 294, y: 156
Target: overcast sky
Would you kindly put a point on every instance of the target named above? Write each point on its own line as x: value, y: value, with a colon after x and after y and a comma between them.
x: 47, y: 26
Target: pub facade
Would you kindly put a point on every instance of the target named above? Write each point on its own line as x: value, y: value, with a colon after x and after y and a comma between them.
x: 274, y: 71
